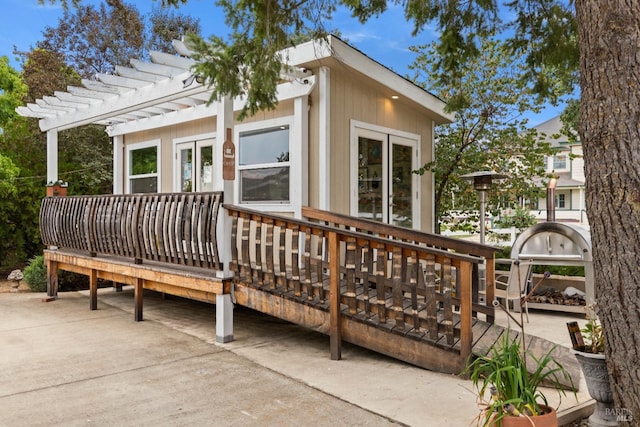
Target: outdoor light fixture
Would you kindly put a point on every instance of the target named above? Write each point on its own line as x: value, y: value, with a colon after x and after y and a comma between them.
x: 482, y: 183
x: 189, y: 80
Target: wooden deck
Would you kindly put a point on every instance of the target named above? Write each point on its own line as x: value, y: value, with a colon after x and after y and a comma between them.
x: 406, y: 294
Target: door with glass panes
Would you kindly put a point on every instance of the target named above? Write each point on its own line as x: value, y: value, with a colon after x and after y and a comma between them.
x: 194, y: 166
x: 387, y: 190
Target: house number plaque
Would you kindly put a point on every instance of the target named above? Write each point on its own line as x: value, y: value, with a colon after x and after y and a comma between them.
x: 228, y: 158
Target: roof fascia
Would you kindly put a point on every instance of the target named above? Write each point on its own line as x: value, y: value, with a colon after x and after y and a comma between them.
x: 315, y: 51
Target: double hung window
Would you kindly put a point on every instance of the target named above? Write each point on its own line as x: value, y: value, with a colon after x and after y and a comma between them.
x: 264, y: 166
x: 143, y: 167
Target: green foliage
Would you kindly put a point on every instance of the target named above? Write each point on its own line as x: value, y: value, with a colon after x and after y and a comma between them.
x: 165, y: 26
x: 35, y: 274
x: 518, y: 218
x: 96, y: 39
x: 12, y: 90
x: 248, y: 62
x: 489, y: 132
x: 86, y: 40
x: 514, y: 388
x: 592, y: 333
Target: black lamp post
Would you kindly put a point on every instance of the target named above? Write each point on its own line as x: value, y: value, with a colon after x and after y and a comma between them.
x: 482, y: 183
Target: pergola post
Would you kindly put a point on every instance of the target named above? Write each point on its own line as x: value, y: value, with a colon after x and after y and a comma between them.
x: 118, y: 164
x: 52, y: 156
x: 224, y: 303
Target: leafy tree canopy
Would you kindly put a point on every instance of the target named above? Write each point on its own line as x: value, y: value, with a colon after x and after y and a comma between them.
x: 12, y: 91
x: 489, y: 131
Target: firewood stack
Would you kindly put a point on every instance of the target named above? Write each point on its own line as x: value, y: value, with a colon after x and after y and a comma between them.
x: 570, y: 296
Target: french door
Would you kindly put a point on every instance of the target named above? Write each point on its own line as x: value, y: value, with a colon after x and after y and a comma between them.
x: 194, y: 166
x: 387, y: 190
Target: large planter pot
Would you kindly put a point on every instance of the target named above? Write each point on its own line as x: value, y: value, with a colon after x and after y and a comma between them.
x: 594, y: 369
x: 548, y: 419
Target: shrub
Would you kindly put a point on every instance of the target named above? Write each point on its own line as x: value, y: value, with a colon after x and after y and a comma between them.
x: 35, y: 274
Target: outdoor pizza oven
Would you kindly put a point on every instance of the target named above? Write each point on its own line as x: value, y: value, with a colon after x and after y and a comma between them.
x: 554, y: 243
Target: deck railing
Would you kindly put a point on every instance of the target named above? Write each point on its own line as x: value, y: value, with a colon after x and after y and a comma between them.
x: 458, y: 246
x: 403, y: 287
x: 171, y: 228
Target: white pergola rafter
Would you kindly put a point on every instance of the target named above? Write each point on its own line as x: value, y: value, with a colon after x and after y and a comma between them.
x: 134, y: 74
x: 161, y: 87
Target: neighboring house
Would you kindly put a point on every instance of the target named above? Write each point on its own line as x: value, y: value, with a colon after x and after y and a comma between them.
x: 567, y: 165
x: 345, y: 136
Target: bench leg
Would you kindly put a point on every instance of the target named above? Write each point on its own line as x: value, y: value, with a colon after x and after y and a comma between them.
x: 224, y: 318
x: 93, y: 290
x: 137, y: 296
x: 52, y: 280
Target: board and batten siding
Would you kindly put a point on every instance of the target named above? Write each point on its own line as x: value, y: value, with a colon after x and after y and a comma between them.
x: 355, y: 97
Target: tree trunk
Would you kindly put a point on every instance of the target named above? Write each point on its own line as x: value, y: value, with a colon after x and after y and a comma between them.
x: 609, y: 38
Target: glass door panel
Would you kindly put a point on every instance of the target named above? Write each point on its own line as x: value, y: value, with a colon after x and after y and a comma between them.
x: 401, y: 197
x: 185, y: 167
x: 370, y: 179
x: 205, y: 166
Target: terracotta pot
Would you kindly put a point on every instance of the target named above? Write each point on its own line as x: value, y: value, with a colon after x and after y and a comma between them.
x: 548, y: 419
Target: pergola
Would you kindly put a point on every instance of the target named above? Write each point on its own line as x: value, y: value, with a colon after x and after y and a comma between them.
x: 151, y: 94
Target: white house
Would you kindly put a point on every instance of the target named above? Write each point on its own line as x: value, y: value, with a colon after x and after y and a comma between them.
x: 567, y: 165
x: 345, y: 136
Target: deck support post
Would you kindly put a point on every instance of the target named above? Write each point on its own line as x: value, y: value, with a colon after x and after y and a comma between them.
x: 466, y: 321
x: 52, y: 281
x: 93, y: 290
x: 335, y: 332
x: 224, y: 318
x: 138, y: 293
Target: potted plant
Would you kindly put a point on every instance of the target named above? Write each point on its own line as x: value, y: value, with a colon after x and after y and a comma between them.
x: 588, y: 347
x: 514, y: 395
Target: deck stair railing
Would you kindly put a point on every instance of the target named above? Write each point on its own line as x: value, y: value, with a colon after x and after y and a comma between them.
x: 177, y: 228
x: 481, y: 303
x: 417, y: 291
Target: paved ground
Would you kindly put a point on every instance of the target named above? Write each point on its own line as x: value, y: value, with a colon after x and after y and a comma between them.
x: 62, y: 364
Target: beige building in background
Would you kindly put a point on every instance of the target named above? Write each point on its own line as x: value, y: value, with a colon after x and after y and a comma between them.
x: 567, y: 164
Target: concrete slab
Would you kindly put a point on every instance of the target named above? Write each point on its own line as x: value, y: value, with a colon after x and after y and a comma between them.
x: 64, y: 365
x: 150, y: 362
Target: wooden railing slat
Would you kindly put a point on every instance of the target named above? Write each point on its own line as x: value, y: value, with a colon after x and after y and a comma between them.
x: 173, y: 228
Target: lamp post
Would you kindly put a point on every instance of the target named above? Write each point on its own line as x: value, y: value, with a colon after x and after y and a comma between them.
x: 482, y: 183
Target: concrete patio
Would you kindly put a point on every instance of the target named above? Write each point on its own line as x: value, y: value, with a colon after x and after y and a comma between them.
x: 66, y: 365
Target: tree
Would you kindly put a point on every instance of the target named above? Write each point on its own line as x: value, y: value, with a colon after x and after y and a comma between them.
x: 166, y: 26
x: 18, y: 213
x: 85, y: 41
x: 593, y: 40
x: 488, y: 133
x: 12, y: 91
x: 94, y: 40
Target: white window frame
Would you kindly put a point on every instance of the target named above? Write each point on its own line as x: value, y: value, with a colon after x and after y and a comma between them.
x: 197, y: 141
x: 561, y: 199
x: 294, y: 164
x: 358, y: 128
x: 138, y: 146
x: 555, y: 160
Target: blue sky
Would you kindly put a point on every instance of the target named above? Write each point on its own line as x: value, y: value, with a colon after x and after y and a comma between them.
x: 385, y: 39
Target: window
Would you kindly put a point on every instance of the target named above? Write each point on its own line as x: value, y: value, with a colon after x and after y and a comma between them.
x: 560, y: 162
x: 560, y: 201
x: 143, y: 168
x: 264, y: 165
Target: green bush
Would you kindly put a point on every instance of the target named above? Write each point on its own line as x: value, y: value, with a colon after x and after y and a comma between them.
x: 36, y: 274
